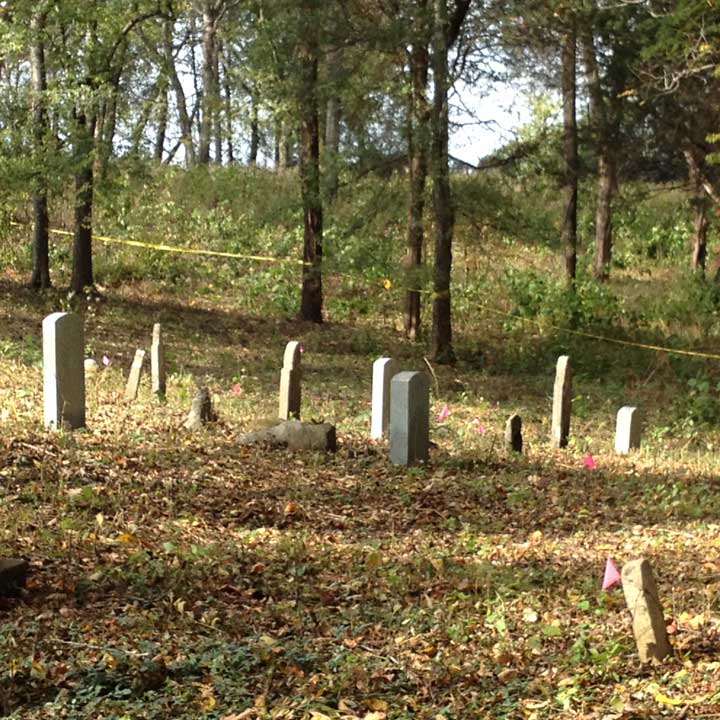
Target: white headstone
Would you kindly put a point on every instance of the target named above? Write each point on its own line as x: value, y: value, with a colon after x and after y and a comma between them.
x: 409, y: 418
x: 290, y: 376
x: 628, y: 430
x: 63, y: 371
x: 383, y: 370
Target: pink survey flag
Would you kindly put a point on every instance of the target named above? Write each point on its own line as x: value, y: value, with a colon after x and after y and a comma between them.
x: 444, y: 413
x: 589, y: 462
x: 236, y: 389
x: 612, y: 574
x: 479, y: 427
x: 106, y: 361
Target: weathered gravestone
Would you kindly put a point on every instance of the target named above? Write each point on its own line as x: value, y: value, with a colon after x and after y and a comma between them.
x: 513, y: 434
x: 290, y: 376
x: 133, y: 383
x: 409, y: 418
x: 648, y: 623
x: 294, y: 435
x: 383, y: 371
x: 628, y: 430
x: 157, y: 362
x: 63, y: 371
x: 13, y: 575
x: 562, y: 399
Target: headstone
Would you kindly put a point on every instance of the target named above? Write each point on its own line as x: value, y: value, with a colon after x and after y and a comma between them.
x: 201, y: 410
x: 648, y: 623
x: 157, y: 362
x: 628, y: 430
x: 90, y: 366
x: 383, y: 371
x: 13, y: 575
x: 290, y: 376
x: 562, y: 399
x: 133, y: 383
x: 513, y: 434
x: 409, y: 418
x: 63, y: 371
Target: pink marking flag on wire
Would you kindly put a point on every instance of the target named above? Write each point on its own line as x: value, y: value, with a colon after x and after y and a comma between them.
x: 444, y: 413
x: 612, y: 574
x: 589, y: 462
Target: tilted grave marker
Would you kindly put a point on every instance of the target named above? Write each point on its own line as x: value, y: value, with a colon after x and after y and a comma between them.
x: 133, y: 383
x: 643, y: 601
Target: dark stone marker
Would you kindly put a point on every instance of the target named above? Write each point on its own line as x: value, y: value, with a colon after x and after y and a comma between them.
x: 409, y: 418
x: 513, y: 434
x: 13, y: 575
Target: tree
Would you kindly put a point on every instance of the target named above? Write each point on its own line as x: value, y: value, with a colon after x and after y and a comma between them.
x: 41, y: 223
x: 446, y: 30
x: 570, y: 149
x: 307, y: 56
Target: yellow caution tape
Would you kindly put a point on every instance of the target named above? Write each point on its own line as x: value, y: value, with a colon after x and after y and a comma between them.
x: 616, y: 341
x: 183, y: 250
x: 387, y: 284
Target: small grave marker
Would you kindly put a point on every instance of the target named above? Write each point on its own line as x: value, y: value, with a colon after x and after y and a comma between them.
x: 290, y: 376
x: 409, y: 418
x: 63, y: 371
x: 562, y: 399
x: 513, y: 434
x: 157, y: 362
x: 201, y: 410
x: 383, y: 371
x: 133, y: 383
x: 643, y: 601
x: 628, y: 430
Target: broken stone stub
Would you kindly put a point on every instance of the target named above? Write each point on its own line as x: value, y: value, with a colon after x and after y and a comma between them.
x: 13, y: 576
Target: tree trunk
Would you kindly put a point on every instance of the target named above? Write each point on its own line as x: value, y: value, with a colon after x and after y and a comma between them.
x: 570, y: 151
x: 699, y: 204
x: 254, y: 132
x: 606, y: 160
x: 333, y: 116
x: 210, y: 82
x: 217, y: 114
x: 418, y: 133
x: 41, y: 224
x: 228, y: 114
x: 283, y: 146
x: 183, y: 116
x: 311, y: 299
x: 162, y: 120
x: 82, y: 272
x: 105, y: 129
x: 441, y: 341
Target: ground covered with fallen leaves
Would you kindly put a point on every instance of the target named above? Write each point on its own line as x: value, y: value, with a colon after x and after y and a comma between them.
x: 180, y: 575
